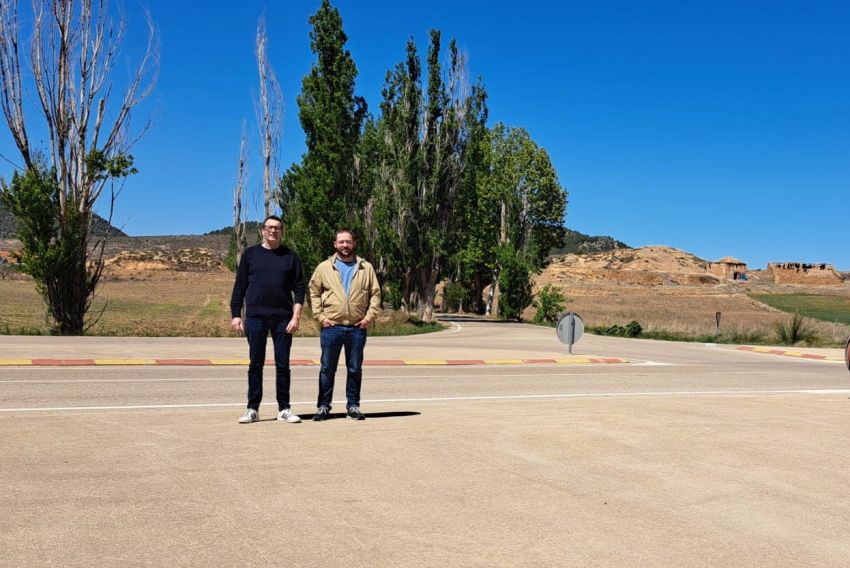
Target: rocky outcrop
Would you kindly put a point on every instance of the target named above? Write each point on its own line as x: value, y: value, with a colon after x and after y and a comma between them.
x: 646, y: 266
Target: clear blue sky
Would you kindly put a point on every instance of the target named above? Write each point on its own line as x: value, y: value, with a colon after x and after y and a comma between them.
x: 721, y: 128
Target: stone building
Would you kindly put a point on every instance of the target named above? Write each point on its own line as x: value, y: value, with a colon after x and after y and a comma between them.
x: 728, y: 268
x: 804, y: 274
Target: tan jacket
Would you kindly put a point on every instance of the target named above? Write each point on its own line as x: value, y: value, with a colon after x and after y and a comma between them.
x: 327, y: 296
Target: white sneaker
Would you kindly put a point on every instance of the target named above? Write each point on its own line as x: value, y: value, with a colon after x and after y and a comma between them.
x: 250, y: 416
x: 286, y: 415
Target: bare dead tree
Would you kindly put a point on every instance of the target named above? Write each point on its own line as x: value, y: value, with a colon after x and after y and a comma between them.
x: 269, y: 117
x: 74, y: 49
x: 239, y: 198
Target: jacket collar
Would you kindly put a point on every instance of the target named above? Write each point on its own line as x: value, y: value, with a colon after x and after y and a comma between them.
x: 335, y: 256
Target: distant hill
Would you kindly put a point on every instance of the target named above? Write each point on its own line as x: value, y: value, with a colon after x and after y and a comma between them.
x: 644, y: 266
x: 227, y: 229
x: 9, y: 226
x: 576, y: 242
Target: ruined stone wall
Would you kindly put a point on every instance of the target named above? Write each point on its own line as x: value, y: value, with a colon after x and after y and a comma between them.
x: 804, y: 274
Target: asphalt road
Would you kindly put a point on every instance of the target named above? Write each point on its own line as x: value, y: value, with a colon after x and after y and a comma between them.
x: 688, y: 455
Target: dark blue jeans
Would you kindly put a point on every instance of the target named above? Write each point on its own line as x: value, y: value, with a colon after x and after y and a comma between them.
x: 257, y: 331
x: 333, y: 340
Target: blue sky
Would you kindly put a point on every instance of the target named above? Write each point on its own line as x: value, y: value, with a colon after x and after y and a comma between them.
x: 721, y: 128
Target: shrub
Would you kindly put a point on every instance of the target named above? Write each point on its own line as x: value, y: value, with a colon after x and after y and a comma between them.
x: 631, y: 329
x: 455, y: 296
x: 550, y: 304
x: 797, y: 330
x: 392, y: 295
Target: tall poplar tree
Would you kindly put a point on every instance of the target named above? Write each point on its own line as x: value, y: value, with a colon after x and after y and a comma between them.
x: 425, y: 137
x: 323, y: 191
x: 392, y: 149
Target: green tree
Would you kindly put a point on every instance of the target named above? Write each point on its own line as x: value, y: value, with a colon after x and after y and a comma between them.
x: 392, y: 152
x: 54, y: 242
x: 521, y: 208
x: 514, y: 283
x: 323, y: 191
x: 422, y: 139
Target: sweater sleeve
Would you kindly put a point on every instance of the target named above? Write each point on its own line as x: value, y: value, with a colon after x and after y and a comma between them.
x: 240, y: 286
x: 300, y: 286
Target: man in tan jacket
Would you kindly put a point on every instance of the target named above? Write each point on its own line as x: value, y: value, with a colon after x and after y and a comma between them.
x: 345, y: 298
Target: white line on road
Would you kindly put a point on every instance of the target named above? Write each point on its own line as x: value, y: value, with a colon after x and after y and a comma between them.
x: 453, y: 399
x: 313, y: 376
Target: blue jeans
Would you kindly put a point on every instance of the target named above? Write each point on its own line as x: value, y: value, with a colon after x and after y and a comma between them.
x: 333, y: 339
x: 257, y: 331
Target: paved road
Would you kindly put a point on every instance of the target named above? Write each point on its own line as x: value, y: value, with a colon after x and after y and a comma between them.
x: 688, y: 455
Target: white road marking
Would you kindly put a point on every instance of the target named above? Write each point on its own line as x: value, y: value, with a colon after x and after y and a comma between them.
x: 556, y: 396
x: 313, y: 375
x: 458, y: 328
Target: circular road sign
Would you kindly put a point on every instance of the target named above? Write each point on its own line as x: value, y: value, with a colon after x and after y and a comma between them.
x: 570, y: 328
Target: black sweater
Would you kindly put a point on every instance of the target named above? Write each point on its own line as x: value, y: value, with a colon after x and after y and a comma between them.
x: 267, y: 280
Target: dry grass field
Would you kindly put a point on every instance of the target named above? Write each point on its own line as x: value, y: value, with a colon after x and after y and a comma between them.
x: 174, y: 303
x: 159, y: 303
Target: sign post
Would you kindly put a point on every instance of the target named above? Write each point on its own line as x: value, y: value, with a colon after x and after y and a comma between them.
x: 847, y: 353
x: 717, y: 319
x: 570, y: 329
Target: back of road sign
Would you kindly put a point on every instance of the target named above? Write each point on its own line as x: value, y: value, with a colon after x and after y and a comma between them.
x: 847, y: 353
x: 569, y: 330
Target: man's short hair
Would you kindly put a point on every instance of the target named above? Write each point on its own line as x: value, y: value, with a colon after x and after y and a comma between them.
x: 345, y: 230
x: 273, y: 218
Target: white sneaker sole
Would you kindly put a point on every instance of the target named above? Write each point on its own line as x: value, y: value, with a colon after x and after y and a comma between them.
x: 293, y: 419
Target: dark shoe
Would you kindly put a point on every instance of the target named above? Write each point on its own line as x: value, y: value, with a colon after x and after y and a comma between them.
x: 322, y: 413
x: 355, y: 414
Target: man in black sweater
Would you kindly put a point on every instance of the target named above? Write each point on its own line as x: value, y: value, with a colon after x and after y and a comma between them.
x: 270, y: 282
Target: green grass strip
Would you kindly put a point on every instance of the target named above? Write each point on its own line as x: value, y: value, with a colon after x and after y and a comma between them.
x: 816, y: 306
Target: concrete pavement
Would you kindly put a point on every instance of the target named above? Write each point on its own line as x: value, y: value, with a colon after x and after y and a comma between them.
x: 690, y: 455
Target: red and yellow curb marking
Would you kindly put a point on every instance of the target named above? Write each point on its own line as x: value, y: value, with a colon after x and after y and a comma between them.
x: 298, y: 362
x: 784, y: 353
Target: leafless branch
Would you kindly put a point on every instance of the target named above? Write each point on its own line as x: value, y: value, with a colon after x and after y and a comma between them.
x: 239, y: 200
x: 74, y: 50
x: 269, y: 110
